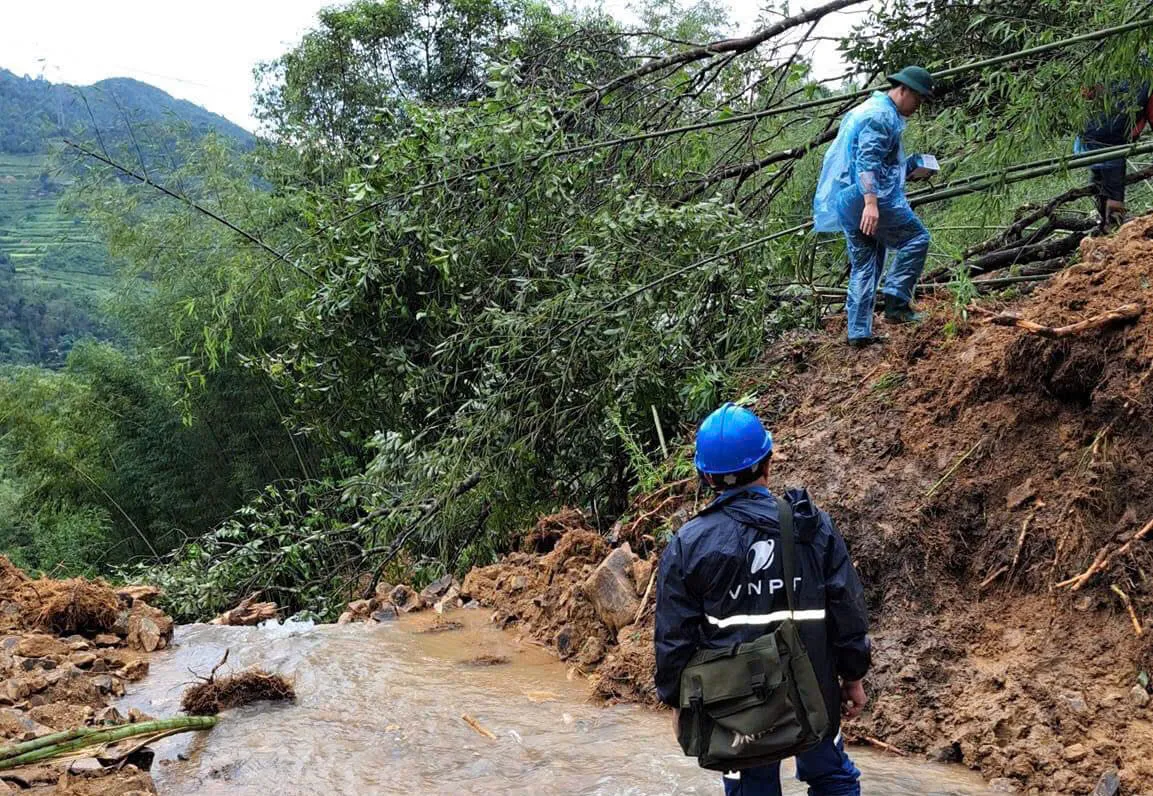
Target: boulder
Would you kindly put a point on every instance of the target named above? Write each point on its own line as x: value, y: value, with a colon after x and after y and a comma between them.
x: 141, y: 593
x: 1108, y: 785
x: 149, y: 629
x: 40, y: 646
x: 406, y: 599
x: 134, y: 670
x: 448, y: 601
x: 106, y: 640
x: 437, y: 589
x: 611, y: 591
x: 591, y: 652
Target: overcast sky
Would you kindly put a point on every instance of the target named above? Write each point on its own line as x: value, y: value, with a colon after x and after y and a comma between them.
x: 205, y: 51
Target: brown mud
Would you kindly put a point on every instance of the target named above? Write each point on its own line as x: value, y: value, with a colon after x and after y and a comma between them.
x: 995, y: 487
x: 67, y: 647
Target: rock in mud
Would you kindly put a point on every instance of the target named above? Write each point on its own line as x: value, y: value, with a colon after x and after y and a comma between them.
x: 406, y: 599
x: 1139, y: 696
x: 611, y: 591
x: 1108, y: 785
x: 1075, y: 753
x: 437, y: 589
x: 387, y: 614
x: 1020, y: 495
x: 149, y: 628
x: 565, y: 642
x: 40, y: 646
x: 591, y: 652
x: 448, y: 601
x: 134, y: 670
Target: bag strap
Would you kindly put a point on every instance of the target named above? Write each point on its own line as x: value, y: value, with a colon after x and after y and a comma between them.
x: 788, y: 548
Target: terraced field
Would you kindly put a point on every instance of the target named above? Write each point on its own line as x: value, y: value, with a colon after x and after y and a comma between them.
x: 31, y: 227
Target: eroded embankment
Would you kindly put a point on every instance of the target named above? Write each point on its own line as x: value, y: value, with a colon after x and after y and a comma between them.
x: 67, y: 647
x: 978, y: 471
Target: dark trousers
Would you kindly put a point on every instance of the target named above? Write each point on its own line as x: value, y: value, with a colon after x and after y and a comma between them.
x: 825, y: 768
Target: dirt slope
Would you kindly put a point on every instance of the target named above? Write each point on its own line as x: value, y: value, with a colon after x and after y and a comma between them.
x: 977, y: 470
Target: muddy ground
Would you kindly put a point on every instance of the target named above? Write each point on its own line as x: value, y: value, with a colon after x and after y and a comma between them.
x: 67, y: 647
x: 994, y: 486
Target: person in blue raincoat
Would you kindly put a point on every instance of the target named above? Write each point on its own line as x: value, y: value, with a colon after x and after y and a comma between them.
x: 1122, y: 117
x: 861, y: 193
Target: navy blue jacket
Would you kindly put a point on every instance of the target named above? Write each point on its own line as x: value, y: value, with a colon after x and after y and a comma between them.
x: 721, y: 583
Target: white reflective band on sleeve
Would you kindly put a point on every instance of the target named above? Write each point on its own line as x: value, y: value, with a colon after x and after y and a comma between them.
x: 732, y: 775
x: 838, y: 739
x: 767, y: 619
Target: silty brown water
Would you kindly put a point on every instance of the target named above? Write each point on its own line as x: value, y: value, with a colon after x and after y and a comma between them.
x: 379, y: 711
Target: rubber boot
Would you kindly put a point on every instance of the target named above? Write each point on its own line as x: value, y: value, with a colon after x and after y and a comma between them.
x: 898, y: 311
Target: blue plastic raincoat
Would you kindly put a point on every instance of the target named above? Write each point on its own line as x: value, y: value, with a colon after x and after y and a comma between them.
x: 868, y: 154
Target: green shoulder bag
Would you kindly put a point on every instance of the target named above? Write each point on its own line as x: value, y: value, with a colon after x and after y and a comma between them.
x: 755, y: 703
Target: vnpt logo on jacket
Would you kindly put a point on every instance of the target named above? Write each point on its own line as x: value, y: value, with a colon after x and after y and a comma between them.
x: 761, y: 556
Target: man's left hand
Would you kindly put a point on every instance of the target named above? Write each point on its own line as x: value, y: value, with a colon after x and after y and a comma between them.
x: 853, y: 698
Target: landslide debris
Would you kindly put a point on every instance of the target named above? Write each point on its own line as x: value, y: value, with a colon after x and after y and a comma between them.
x: 995, y: 487
x: 67, y: 648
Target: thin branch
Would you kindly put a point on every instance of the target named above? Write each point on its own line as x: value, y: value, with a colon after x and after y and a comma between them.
x: 191, y: 203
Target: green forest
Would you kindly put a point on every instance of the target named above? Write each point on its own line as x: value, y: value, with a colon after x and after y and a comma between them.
x: 488, y: 258
x: 55, y: 278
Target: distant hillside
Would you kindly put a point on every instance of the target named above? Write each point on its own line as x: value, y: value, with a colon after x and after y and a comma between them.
x: 34, y: 112
x: 53, y: 274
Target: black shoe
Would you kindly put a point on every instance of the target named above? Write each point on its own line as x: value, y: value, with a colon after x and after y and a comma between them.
x: 865, y: 342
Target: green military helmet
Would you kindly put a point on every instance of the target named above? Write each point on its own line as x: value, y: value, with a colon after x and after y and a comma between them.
x: 916, y: 78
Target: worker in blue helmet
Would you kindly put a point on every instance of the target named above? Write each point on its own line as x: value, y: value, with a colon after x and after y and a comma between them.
x: 717, y: 587
x: 861, y: 193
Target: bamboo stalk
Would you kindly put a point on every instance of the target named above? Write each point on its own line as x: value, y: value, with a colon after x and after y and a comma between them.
x: 68, y: 741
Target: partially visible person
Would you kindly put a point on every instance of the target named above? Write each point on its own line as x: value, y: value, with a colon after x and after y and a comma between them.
x: 1126, y: 110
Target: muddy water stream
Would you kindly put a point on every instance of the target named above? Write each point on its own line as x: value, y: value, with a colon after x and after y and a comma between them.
x: 379, y: 711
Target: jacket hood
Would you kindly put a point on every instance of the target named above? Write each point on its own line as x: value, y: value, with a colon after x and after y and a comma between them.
x: 753, y: 508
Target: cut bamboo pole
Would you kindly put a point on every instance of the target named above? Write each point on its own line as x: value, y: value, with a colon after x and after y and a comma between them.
x: 63, y: 743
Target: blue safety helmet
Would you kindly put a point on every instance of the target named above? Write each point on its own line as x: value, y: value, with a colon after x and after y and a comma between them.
x: 730, y: 440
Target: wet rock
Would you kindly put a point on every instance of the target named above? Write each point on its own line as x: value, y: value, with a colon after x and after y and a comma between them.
x: 107, y: 684
x: 591, y: 652
x: 1075, y: 753
x: 40, y: 646
x: 149, y: 629
x: 60, y: 716
x: 109, y: 715
x: 949, y: 753
x: 448, y: 601
x: 404, y: 598
x: 107, y: 639
x: 642, y: 572
x: 1020, y: 495
x: 564, y: 642
x: 1138, y: 696
x: 82, y: 660
x: 1075, y: 702
x: 135, y: 716
x: 134, y: 670
x: 85, y: 764
x: 1108, y: 785
x: 437, y: 589
x: 610, y: 589
x: 134, y: 594
x: 384, y: 615
x: 346, y: 618
x: 359, y: 608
